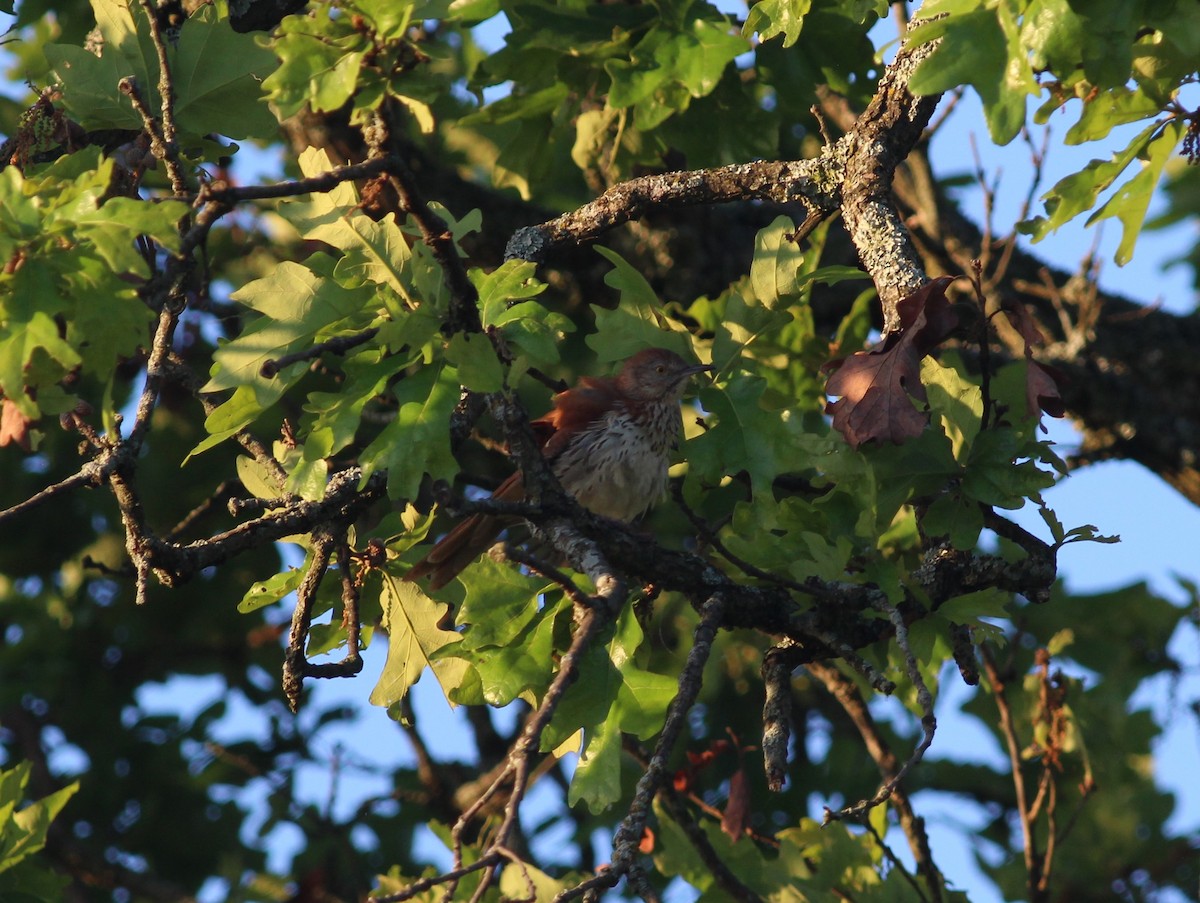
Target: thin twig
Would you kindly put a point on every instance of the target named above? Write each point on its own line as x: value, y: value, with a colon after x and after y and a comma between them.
x: 352, y: 662
x: 517, y: 766
x: 454, y: 875
x: 158, y: 144
x: 1051, y: 838
x: 847, y: 695
x: 90, y: 474
x: 318, y: 184
x: 879, y: 683
x: 519, y: 555
x: 168, y: 318
x: 985, y: 347
x: 464, y: 299
x: 1009, y: 731
x: 525, y: 876
x: 629, y: 833
x: 895, y: 863
x: 636, y: 879
x: 338, y: 345
x: 928, y: 721
x: 323, y: 541
x: 722, y: 874
x: 168, y: 151
x: 214, y: 501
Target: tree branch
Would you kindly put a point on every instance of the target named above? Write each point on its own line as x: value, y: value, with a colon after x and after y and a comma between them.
x: 851, y: 700
x: 881, y: 138
x: 806, y: 181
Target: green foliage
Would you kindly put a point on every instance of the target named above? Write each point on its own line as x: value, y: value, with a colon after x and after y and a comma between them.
x: 217, y: 74
x: 74, y: 260
x: 22, y: 834
x: 1123, y: 62
x: 415, y: 642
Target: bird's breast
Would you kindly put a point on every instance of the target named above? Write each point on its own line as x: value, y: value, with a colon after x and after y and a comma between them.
x: 617, y: 467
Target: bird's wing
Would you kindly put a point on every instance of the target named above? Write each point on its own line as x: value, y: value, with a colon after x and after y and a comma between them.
x: 574, y: 410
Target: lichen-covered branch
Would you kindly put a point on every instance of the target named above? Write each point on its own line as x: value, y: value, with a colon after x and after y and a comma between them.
x: 812, y: 182
x: 881, y: 139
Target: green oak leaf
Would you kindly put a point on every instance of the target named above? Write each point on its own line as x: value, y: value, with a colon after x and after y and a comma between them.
x: 417, y: 442
x: 376, y: 251
x: 984, y: 603
x: 215, y: 73
x: 234, y: 414
x: 956, y: 399
x: 522, y: 668
x: 1130, y: 203
x: 338, y: 414
x: 741, y: 323
x: 1077, y: 193
x: 745, y: 436
x: 500, y: 603
x: 271, y: 590
x: 296, y: 304
x: 415, y: 640
x: 501, y: 290
x: 774, y: 271
x: 597, y: 778
x: 1109, y: 109
x: 636, y: 702
x: 994, y: 475
x: 39, y: 334
x: 771, y: 18
x: 956, y: 517
x: 637, y: 322
x: 475, y: 358
x: 23, y: 828
x: 981, y: 48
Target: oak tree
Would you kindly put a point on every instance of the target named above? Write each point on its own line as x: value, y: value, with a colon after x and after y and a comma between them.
x: 284, y: 285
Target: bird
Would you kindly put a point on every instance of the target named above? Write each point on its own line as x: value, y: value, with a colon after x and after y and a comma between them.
x: 608, y: 440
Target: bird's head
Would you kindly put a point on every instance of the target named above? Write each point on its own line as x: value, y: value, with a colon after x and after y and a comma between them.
x: 656, y: 374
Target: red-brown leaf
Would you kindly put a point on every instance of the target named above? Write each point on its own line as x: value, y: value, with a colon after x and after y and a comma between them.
x: 876, y: 387
x: 736, y: 816
x: 1041, y: 381
x: 646, y: 844
x: 1024, y: 323
x: 14, y: 426
x: 1041, y: 388
x: 939, y: 317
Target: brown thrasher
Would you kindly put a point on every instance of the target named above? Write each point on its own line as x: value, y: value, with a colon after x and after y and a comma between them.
x: 608, y: 440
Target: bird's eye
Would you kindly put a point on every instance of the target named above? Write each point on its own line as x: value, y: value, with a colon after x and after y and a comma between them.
x: 660, y: 369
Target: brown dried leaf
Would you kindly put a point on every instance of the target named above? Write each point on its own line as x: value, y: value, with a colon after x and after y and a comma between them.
x: 1024, y: 323
x: 736, y: 817
x: 876, y: 388
x: 14, y: 426
x: 1042, y: 388
x: 646, y: 844
x: 939, y: 316
x: 1041, y: 381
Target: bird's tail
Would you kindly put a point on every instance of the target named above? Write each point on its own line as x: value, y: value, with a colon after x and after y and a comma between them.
x: 467, y: 541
